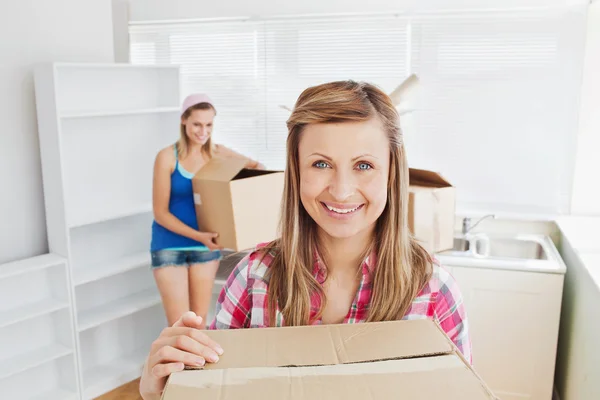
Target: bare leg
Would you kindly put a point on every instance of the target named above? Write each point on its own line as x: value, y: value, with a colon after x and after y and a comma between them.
x: 202, y: 278
x: 173, y: 286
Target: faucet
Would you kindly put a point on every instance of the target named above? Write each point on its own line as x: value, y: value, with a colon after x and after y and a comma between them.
x: 466, y: 227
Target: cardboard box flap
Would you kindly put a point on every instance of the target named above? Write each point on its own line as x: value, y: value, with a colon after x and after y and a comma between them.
x: 421, y: 177
x: 221, y: 169
x: 441, y: 377
x: 329, y: 344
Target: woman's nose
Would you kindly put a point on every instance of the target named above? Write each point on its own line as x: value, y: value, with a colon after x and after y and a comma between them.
x: 342, y: 187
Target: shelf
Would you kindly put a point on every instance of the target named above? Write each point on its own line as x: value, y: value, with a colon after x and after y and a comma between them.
x: 30, y: 265
x: 86, y: 275
x: 30, y: 311
x: 57, y: 394
x: 90, y: 218
x: 219, y: 282
x: 32, y: 359
x: 110, y: 66
x: 116, y: 113
x: 105, y: 377
x: 117, y: 309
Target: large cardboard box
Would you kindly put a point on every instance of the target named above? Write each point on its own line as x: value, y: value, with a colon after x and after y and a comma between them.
x: 241, y: 205
x: 432, y: 208
x: 382, y: 360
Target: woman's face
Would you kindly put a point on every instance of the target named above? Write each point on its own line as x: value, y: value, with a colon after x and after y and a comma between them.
x: 199, y: 126
x: 344, y: 172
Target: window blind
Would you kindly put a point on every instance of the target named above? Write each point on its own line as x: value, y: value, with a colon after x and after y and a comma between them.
x: 497, y: 109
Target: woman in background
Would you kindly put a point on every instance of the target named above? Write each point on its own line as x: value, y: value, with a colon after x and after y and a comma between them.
x: 184, y: 259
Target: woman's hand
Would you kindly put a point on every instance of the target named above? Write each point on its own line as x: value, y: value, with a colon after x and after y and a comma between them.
x: 183, y: 344
x: 208, y: 239
x: 226, y: 152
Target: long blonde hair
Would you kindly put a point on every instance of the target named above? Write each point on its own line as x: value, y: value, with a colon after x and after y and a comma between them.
x: 402, y: 268
x: 183, y: 144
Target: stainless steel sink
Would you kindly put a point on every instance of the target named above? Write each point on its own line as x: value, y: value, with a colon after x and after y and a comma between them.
x: 517, y: 248
x: 531, y: 252
x: 500, y: 247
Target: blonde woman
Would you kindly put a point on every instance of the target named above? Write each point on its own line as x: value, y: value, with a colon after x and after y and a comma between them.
x: 185, y: 260
x: 345, y: 254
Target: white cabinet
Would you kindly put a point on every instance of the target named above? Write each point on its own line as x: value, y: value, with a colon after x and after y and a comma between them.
x: 514, y: 320
x: 37, y: 343
x: 100, y: 128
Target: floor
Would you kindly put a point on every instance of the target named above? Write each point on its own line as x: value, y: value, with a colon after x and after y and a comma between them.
x: 128, y: 391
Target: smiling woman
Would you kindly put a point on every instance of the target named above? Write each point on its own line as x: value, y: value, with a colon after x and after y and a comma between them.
x: 345, y: 254
x: 185, y: 260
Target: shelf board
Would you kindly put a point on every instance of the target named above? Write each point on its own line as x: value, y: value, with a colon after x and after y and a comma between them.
x: 56, y: 394
x: 30, y: 265
x: 219, y: 283
x: 29, y: 311
x: 103, y: 378
x: 31, y: 359
x: 116, y: 309
x: 100, y: 271
x: 112, y: 66
x: 91, y: 218
x: 117, y: 113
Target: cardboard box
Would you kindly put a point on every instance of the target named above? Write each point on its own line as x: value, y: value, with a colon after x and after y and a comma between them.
x: 432, y: 208
x: 241, y: 205
x: 383, y: 360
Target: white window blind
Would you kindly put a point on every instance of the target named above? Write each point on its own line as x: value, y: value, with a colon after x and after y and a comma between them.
x: 251, y: 68
x: 497, y: 109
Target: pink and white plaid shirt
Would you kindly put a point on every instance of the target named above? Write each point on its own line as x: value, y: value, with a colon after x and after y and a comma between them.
x: 243, y: 301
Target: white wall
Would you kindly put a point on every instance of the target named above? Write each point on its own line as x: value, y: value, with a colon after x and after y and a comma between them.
x: 578, y: 355
x: 585, y: 188
x: 33, y: 31
x: 157, y: 10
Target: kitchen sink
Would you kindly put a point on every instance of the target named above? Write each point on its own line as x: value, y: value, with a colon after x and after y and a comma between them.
x: 500, y: 247
x: 517, y: 248
x: 518, y: 251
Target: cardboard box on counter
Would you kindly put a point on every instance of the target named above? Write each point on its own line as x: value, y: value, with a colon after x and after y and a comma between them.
x: 381, y: 360
x: 241, y: 205
x: 432, y: 208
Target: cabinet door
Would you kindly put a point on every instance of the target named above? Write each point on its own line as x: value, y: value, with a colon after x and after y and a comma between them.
x: 514, y: 320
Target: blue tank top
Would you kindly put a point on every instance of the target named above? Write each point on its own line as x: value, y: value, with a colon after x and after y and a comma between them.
x: 181, y: 205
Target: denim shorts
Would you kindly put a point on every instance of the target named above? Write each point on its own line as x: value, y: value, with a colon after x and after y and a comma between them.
x: 183, y: 258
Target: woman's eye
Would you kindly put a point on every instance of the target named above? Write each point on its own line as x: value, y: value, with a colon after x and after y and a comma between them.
x: 364, y: 166
x: 321, y: 164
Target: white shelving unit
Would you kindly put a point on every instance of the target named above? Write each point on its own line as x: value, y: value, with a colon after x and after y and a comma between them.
x: 100, y: 127
x: 37, y: 339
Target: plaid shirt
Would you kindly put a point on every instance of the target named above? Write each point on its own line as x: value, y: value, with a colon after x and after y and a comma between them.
x: 243, y: 301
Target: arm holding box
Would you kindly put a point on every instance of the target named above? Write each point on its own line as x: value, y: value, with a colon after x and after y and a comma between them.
x: 161, y: 189
x: 450, y: 312
x: 227, y: 152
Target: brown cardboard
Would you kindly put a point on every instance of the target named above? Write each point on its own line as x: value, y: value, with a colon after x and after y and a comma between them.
x: 432, y: 206
x: 239, y: 204
x: 382, y: 360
